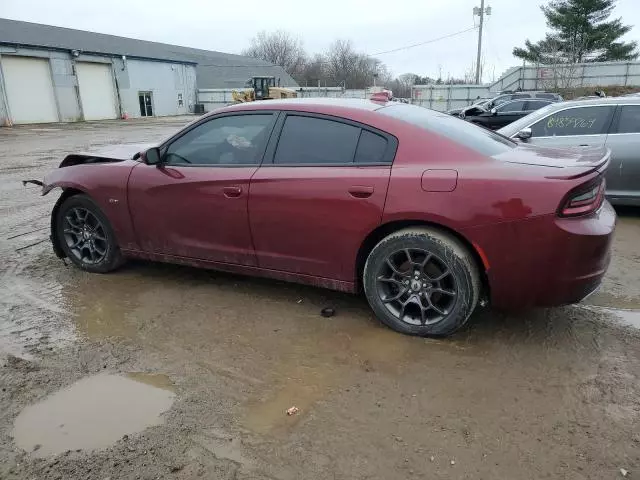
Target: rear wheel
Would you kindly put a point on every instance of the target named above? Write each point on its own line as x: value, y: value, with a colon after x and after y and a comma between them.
x: 422, y: 282
x: 85, y: 235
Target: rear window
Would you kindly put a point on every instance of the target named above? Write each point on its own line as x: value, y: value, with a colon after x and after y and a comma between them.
x: 371, y: 148
x: 316, y: 141
x: 471, y: 136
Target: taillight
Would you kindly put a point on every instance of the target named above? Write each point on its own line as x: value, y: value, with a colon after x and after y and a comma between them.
x: 584, y: 199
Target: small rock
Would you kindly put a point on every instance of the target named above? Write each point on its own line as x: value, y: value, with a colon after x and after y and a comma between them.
x: 398, y: 439
x: 292, y: 410
x: 624, y: 472
x: 453, y: 462
x: 328, y: 312
x: 432, y: 458
x: 125, y: 437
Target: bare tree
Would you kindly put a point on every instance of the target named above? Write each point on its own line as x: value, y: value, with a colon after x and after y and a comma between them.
x: 313, y: 72
x: 345, y: 66
x: 280, y: 48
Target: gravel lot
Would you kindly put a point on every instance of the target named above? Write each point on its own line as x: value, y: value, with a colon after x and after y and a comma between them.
x: 170, y: 372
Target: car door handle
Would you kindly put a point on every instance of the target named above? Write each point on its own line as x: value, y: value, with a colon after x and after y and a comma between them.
x: 361, y: 191
x: 232, y: 192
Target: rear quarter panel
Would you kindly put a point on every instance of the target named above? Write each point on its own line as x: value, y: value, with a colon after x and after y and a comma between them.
x: 507, y: 211
x: 106, y: 184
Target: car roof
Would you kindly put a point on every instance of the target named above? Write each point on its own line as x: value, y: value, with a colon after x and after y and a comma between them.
x: 598, y: 101
x: 310, y: 104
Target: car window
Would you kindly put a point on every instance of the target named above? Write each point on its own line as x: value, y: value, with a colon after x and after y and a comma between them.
x: 501, y: 100
x: 536, y: 104
x: 629, y: 121
x: 464, y: 133
x: 574, y: 121
x: 516, y: 106
x: 231, y: 140
x: 316, y: 141
x: 371, y: 148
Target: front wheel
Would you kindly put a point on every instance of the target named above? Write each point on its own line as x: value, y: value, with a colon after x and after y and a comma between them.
x: 85, y: 235
x: 422, y: 282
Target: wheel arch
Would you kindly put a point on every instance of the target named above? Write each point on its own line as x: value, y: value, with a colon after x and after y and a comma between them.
x: 67, y: 192
x: 374, y: 237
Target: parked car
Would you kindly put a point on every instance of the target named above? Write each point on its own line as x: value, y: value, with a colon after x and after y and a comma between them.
x: 456, y: 112
x: 612, y: 122
x: 507, y: 97
x: 429, y: 215
x: 503, y: 114
x: 459, y: 112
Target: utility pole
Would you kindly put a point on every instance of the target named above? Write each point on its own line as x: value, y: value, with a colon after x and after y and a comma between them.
x: 481, y: 12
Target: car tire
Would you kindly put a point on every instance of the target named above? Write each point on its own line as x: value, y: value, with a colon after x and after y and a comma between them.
x: 444, y: 265
x: 85, y: 235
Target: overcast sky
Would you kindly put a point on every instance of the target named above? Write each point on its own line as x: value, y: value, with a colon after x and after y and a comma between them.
x: 373, y: 26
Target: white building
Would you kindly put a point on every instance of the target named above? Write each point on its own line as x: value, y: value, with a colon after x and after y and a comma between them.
x: 54, y: 74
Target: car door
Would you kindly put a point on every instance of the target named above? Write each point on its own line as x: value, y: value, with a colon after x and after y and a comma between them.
x: 506, y: 113
x: 624, y: 142
x: 194, y: 204
x: 321, y: 193
x: 578, y: 126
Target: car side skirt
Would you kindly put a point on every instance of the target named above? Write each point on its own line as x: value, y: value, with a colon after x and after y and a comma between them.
x: 329, y: 283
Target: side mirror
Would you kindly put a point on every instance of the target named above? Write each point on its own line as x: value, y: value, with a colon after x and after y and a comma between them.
x: 524, y: 134
x: 494, y: 111
x: 152, y: 156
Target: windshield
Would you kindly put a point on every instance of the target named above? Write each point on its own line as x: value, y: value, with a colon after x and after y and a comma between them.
x: 523, y: 122
x: 471, y: 136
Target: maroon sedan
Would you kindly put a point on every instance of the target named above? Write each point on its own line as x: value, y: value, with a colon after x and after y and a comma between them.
x: 426, y: 213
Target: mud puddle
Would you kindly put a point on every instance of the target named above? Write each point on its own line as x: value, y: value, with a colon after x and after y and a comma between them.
x: 625, y: 316
x: 93, y: 413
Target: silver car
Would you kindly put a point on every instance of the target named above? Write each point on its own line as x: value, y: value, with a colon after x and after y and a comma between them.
x: 612, y: 122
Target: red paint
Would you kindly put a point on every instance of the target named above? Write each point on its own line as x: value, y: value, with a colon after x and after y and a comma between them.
x: 306, y: 224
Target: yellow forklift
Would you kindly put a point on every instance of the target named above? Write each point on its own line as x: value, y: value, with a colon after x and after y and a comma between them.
x: 262, y: 88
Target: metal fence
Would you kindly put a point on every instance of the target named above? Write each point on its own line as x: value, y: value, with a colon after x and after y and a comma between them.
x: 446, y: 97
x: 213, y: 98
x: 550, y: 77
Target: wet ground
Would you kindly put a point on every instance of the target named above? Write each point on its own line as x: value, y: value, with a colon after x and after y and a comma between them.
x: 161, y: 371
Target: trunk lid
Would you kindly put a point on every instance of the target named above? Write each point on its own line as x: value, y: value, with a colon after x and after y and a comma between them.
x: 574, y: 158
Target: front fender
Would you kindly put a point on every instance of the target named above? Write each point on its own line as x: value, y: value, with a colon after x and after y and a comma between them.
x: 106, y: 184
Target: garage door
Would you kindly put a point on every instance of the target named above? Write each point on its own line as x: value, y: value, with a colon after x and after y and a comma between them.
x: 97, y: 94
x: 29, y: 89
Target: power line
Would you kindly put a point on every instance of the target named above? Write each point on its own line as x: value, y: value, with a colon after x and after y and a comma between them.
x: 424, y: 43
x: 406, y: 47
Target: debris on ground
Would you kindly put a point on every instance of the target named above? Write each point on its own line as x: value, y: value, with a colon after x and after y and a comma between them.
x: 624, y: 472
x: 292, y: 410
x: 328, y: 312
x: 453, y: 462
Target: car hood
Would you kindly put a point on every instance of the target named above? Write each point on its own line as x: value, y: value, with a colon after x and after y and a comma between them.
x: 588, y: 158
x: 106, y: 154
x: 124, y: 151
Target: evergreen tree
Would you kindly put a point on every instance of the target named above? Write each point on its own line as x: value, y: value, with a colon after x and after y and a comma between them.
x: 580, y: 32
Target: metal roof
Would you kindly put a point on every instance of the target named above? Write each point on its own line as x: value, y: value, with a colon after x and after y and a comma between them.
x: 214, y: 69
